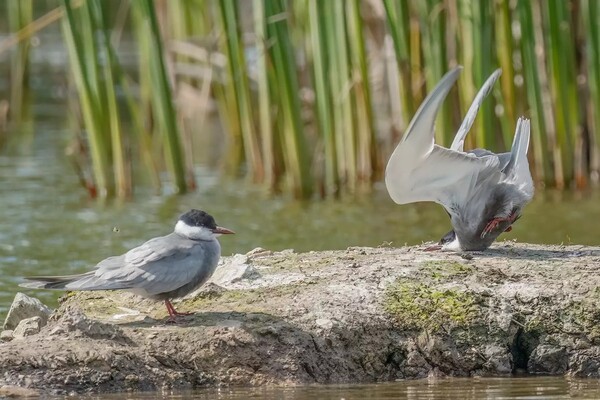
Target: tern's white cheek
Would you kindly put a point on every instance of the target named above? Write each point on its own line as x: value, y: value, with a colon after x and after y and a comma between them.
x: 452, y: 246
x: 193, y: 232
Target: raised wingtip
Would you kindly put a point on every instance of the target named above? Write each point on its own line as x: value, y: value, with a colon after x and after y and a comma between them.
x: 520, y: 146
x: 467, y: 123
x: 418, y: 139
x: 524, y: 129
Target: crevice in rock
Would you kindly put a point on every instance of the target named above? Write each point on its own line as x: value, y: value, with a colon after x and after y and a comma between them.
x: 521, y: 348
x: 395, y: 358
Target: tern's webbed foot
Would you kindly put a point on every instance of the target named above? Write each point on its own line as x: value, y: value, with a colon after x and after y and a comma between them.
x: 173, y: 314
x: 183, y: 314
x: 494, y: 222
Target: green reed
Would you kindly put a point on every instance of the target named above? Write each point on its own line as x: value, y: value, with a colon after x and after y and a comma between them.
x: 161, y: 97
x: 239, y: 93
x: 97, y: 75
x: 78, y: 30
x: 504, y: 49
x: 301, y: 94
x: 265, y: 122
x: 590, y: 11
x: 20, y: 14
x: 286, y: 89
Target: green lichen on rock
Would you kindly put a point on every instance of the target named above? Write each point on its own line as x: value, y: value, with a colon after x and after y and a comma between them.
x: 444, y: 270
x: 580, y: 315
x: 98, y: 303
x: 416, y: 305
x: 243, y: 300
x: 584, y: 314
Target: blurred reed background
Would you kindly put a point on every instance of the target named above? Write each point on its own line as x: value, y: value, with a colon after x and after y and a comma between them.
x: 311, y: 96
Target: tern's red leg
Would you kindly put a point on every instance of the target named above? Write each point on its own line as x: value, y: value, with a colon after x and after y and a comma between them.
x: 493, y: 224
x: 172, y: 312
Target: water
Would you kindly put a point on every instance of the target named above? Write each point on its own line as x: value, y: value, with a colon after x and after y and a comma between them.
x: 522, y: 388
x: 49, y: 226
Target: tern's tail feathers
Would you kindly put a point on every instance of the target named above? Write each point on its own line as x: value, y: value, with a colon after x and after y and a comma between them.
x: 518, y: 163
x: 52, y: 282
x: 85, y: 281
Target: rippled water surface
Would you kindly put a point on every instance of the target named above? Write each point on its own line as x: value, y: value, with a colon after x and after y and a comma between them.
x: 522, y: 388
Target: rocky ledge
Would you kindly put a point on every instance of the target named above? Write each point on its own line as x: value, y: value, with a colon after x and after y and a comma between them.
x: 357, y: 315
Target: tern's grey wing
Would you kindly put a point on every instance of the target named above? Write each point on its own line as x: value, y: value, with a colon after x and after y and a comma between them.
x: 465, y: 126
x: 503, y: 158
x: 159, y: 265
x: 449, y: 177
x: 189, y: 266
x: 156, y: 249
x: 517, y: 169
x: 419, y: 170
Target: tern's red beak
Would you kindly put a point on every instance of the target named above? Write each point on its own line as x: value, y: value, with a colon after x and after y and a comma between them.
x: 223, y: 231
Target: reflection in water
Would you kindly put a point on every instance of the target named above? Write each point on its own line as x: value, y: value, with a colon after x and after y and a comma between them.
x: 449, y: 389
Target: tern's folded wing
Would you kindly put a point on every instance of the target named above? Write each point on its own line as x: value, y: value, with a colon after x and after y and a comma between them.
x: 159, y: 265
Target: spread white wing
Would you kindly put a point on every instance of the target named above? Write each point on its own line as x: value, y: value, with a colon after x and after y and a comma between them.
x: 420, y: 170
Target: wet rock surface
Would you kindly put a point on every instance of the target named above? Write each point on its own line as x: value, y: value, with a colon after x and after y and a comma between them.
x: 357, y: 315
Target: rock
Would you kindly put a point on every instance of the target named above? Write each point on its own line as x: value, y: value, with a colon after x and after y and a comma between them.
x: 6, y: 335
x: 546, y: 359
x: 233, y: 270
x: 499, y: 359
x: 585, y: 364
x: 324, y: 323
x: 24, y: 307
x: 17, y: 391
x: 27, y: 327
x: 258, y: 252
x: 75, y: 323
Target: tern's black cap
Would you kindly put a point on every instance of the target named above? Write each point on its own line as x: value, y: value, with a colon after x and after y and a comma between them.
x: 198, y: 218
x: 448, y: 237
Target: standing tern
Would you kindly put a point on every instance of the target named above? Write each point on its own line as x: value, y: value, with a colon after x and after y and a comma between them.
x: 482, y: 192
x: 163, y: 268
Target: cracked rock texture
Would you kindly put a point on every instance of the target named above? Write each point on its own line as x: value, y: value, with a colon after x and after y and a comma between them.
x: 355, y: 315
x: 24, y: 307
